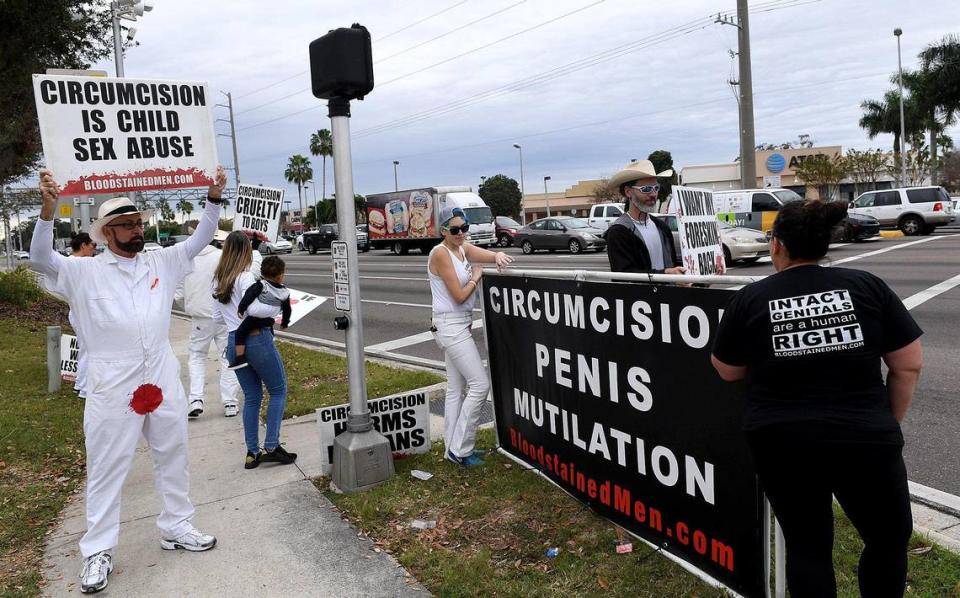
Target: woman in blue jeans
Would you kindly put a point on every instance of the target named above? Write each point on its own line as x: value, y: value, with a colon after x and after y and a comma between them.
x: 231, y: 280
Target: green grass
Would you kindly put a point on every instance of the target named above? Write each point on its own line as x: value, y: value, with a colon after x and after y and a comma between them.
x: 495, y: 523
x: 316, y: 379
x: 41, y: 453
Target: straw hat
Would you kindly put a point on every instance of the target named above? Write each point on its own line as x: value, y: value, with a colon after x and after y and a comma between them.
x: 111, y: 209
x: 641, y: 169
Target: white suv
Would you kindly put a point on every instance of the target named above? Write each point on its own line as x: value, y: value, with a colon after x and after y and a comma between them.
x: 602, y: 215
x: 914, y: 210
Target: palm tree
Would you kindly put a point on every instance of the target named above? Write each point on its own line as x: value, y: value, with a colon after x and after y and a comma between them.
x: 936, y: 86
x: 185, y: 208
x: 299, y: 171
x: 883, y: 116
x: 321, y: 144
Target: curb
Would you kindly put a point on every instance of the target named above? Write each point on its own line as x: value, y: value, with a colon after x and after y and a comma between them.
x: 935, y: 499
x: 891, y: 234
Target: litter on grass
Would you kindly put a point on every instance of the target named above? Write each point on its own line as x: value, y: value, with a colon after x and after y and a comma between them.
x: 423, y: 524
x: 421, y: 475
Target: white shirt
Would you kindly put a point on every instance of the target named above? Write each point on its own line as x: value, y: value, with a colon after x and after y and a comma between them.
x: 650, y: 235
x: 443, y: 302
x: 227, y: 312
x: 195, y: 288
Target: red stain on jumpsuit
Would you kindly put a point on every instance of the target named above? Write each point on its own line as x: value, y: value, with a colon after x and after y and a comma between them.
x: 146, y: 398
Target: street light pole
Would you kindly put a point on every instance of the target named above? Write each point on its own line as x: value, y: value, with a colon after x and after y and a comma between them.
x: 545, y: 196
x: 117, y: 43
x: 903, y: 136
x: 396, y: 184
x: 523, y: 194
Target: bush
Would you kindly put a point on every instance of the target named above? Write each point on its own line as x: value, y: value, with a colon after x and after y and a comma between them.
x: 19, y: 287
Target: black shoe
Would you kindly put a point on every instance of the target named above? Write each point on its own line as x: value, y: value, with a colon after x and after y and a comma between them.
x: 240, y: 361
x: 278, y: 455
x: 252, y: 460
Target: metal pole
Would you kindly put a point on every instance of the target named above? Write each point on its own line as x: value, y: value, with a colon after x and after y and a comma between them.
x: 545, y: 196
x: 362, y: 456
x: 233, y: 139
x: 359, y: 419
x: 748, y: 144
x: 6, y: 225
x: 903, y: 135
x: 396, y: 184
x: 523, y: 193
x: 117, y: 44
x: 53, y: 358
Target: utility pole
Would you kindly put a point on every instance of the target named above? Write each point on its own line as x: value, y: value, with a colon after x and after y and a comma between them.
x: 546, y: 197
x: 903, y: 136
x: 523, y: 194
x: 396, y: 184
x: 748, y: 144
x: 232, y: 135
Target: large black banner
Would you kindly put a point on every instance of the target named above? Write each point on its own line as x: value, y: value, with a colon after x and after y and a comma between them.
x: 607, y: 388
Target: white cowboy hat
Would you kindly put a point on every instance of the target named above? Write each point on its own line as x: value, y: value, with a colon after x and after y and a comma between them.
x: 112, y: 208
x: 640, y: 169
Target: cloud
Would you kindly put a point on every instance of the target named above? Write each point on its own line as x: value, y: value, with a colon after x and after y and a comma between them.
x: 812, y: 65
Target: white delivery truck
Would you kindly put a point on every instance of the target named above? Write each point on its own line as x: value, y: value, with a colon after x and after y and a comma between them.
x: 405, y: 220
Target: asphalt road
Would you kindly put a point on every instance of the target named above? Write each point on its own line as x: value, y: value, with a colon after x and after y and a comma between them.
x: 396, y: 314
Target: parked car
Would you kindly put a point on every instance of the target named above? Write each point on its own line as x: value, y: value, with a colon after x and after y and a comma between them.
x: 855, y: 228
x: 914, y: 210
x: 602, y: 215
x: 326, y: 234
x: 279, y: 246
x: 562, y: 232
x: 147, y: 247
x: 739, y: 244
x: 21, y: 255
x: 506, y: 228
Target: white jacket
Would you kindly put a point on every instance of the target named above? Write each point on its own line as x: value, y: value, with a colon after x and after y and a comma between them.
x: 196, y: 288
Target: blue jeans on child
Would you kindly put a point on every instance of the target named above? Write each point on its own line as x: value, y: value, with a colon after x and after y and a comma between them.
x: 264, y: 368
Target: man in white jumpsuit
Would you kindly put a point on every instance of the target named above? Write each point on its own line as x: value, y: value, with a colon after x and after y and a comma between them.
x: 121, y: 302
x: 197, y: 295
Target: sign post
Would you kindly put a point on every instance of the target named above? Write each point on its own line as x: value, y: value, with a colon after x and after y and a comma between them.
x: 341, y: 66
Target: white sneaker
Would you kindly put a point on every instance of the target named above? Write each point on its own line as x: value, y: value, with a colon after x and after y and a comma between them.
x: 230, y: 410
x: 96, y: 568
x: 196, y: 408
x: 194, y: 541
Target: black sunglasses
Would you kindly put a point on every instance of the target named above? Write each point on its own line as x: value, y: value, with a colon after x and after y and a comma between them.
x: 456, y: 230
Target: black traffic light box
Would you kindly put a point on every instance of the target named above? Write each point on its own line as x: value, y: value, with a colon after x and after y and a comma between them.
x: 341, y: 64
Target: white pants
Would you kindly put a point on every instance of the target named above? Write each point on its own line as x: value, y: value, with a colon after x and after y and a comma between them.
x: 111, y: 431
x: 465, y: 376
x: 202, y: 332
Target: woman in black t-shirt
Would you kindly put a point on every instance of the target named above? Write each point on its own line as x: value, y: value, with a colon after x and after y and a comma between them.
x: 820, y: 420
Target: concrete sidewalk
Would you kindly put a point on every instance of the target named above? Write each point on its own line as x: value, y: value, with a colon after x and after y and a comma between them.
x: 277, y: 535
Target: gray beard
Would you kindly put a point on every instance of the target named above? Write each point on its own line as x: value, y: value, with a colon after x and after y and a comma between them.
x: 644, y: 207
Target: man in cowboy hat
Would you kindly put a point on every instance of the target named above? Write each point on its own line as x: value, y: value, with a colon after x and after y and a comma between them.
x: 121, y: 303
x: 195, y: 292
x: 637, y: 241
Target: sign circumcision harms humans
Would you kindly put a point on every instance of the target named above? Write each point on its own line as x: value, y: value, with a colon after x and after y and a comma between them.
x: 258, y: 211
x: 103, y: 135
x: 700, y: 244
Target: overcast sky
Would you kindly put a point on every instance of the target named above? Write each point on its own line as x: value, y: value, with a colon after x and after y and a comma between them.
x: 813, y: 63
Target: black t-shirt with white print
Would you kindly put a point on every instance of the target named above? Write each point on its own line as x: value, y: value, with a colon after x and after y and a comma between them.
x: 812, y: 338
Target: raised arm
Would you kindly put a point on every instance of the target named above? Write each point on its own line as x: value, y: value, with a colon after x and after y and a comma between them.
x: 43, y: 258
x: 479, y: 255
x: 208, y: 222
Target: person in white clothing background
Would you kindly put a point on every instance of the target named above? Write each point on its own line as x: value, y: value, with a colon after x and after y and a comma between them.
x: 195, y: 292
x: 454, y: 276
x: 121, y: 304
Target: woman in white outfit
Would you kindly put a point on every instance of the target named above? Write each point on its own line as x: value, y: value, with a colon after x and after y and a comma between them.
x: 454, y: 277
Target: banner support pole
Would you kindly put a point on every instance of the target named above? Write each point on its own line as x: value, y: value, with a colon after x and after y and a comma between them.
x: 780, y: 562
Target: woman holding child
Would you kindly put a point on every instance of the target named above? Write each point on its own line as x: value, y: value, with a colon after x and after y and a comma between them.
x: 260, y: 363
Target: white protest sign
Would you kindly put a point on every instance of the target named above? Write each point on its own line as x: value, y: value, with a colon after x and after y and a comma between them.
x: 104, y: 135
x: 301, y: 303
x: 258, y: 211
x: 701, y: 246
x: 403, y: 419
x: 69, y: 350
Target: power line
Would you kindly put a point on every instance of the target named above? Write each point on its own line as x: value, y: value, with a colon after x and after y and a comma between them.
x: 414, y: 24
x: 450, y: 59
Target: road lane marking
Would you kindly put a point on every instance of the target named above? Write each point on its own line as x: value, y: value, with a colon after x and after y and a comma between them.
x: 886, y: 249
x: 928, y: 294
x: 413, y: 339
